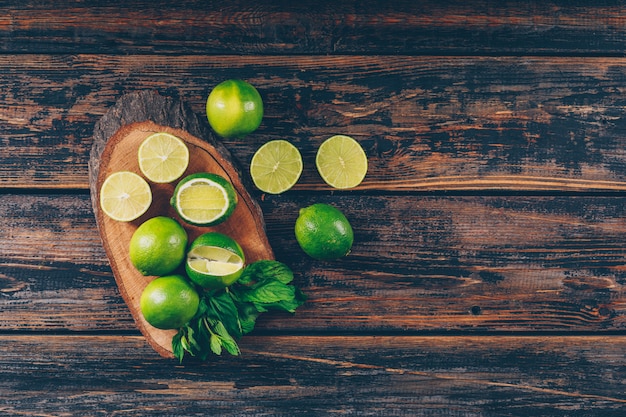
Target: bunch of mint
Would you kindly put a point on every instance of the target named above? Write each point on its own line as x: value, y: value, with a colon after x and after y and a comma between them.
x: 225, y: 316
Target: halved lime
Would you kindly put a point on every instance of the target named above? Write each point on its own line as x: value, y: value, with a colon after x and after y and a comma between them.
x: 276, y: 166
x: 214, y: 261
x: 124, y: 196
x: 341, y: 162
x: 163, y: 157
x: 204, y: 199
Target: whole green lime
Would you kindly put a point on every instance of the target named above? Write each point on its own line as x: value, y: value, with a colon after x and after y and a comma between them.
x: 214, y: 261
x: 158, y: 246
x: 324, y: 232
x: 169, y: 302
x: 234, y: 109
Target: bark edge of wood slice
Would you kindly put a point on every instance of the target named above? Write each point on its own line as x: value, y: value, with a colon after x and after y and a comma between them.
x: 116, y: 139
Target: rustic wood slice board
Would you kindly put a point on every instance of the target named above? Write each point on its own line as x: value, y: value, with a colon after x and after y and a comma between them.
x: 117, y: 137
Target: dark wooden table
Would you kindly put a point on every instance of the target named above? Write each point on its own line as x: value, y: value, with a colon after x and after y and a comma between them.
x: 488, y: 273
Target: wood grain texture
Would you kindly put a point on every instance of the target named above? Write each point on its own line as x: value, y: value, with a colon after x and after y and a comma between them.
x: 426, y: 123
x: 419, y: 263
x: 398, y: 376
x: 487, y: 278
x: 314, y: 27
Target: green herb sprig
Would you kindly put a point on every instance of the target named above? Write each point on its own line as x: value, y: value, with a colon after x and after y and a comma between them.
x: 224, y: 317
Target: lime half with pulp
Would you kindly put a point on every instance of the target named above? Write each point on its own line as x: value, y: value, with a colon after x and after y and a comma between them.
x: 341, y: 162
x: 163, y: 157
x: 204, y: 199
x: 276, y: 166
x: 124, y: 196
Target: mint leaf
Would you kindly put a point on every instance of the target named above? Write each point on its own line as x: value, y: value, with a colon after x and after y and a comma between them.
x: 225, y: 339
x: 289, y: 306
x: 264, y: 285
x: 220, y: 338
x: 248, y: 314
x: 231, y: 346
x: 177, y: 346
x: 268, y: 292
x: 216, y: 344
x: 191, y: 341
x: 222, y: 308
x: 263, y: 270
x: 202, y: 338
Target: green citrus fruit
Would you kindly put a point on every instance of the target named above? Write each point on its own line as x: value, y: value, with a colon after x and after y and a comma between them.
x: 158, y: 246
x: 169, y: 302
x: 163, y: 157
x: 341, y: 162
x: 276, y: 166
x: 323, y: 232
x: 234, y: 109
x: 214, y: 261
x: 125, y: 196
x: 204, y: 199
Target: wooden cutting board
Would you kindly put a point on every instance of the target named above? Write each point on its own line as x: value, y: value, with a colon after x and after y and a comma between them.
x: 116, y: 140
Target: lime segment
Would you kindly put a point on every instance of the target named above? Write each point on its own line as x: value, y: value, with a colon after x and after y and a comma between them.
x: 163, y: 157
x: 276, y: 166
x: 341, y: 162
x: 124, y: 196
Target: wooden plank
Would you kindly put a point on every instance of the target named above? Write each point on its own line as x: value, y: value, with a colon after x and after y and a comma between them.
x: 419, y: 263
x: 314, y: 27
x: 427, y: 123
x: 307, y: 375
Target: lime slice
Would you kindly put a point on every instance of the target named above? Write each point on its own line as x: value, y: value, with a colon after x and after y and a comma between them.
x: 204, y: 199
x: 163, y: 157
x: 276, y: 166
x: 341, y: 162
x: 124, y: 196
